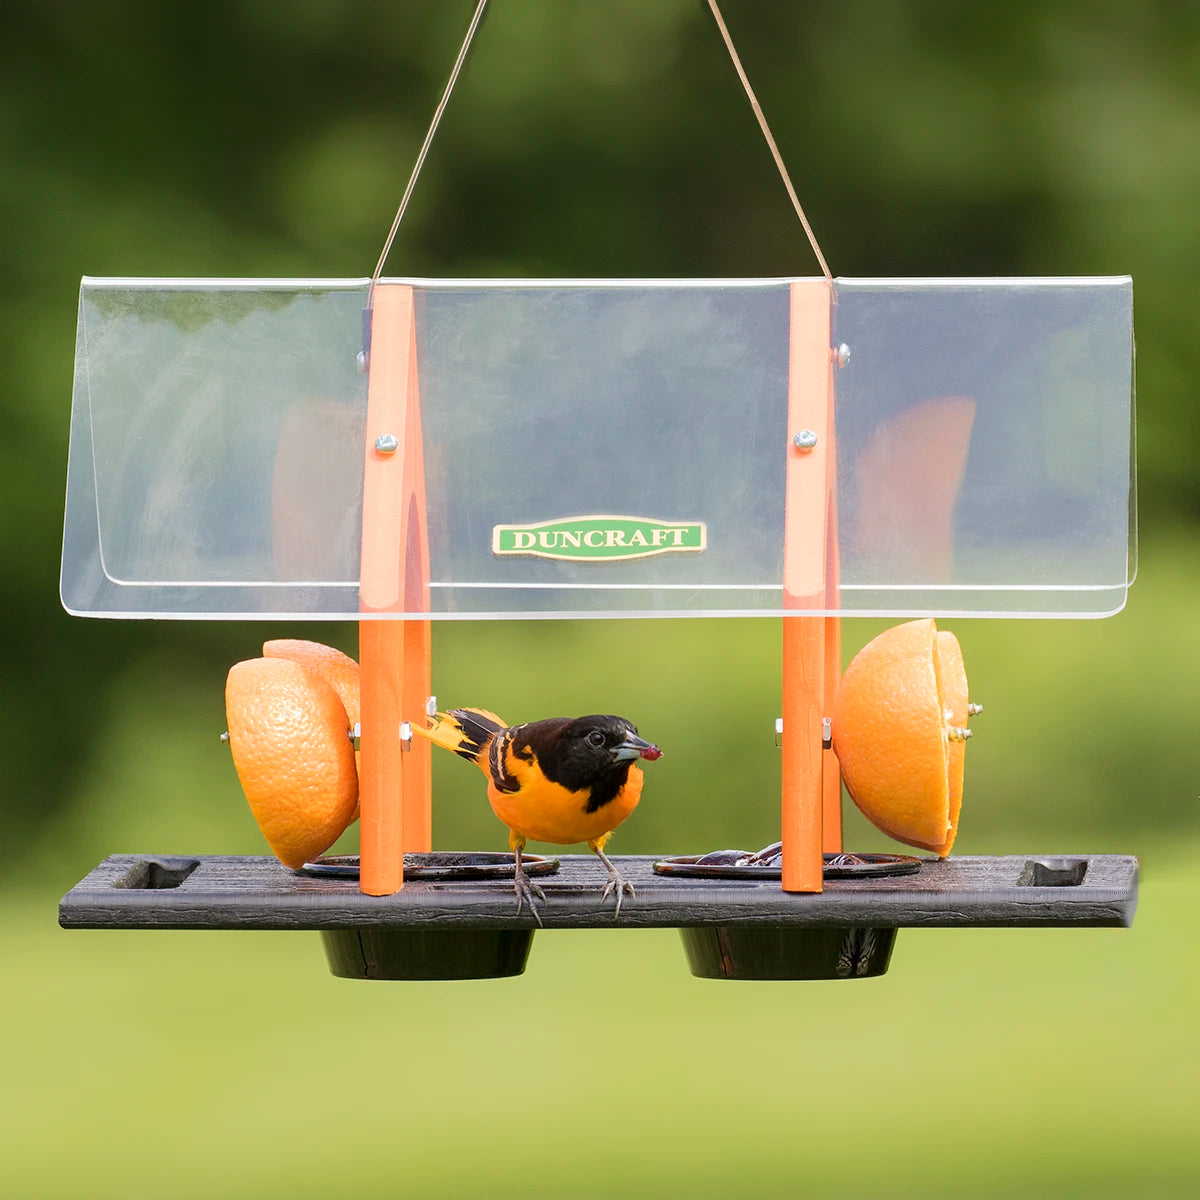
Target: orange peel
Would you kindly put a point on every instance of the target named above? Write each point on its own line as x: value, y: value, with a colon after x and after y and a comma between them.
x: 899, y: 730
x: 338, y: 670
x: 288, y: 734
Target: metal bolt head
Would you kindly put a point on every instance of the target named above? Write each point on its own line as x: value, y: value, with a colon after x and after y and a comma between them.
x: 386, y: 443
x: 841, y: 355
x: 363, y: 359
x: 805, y: 440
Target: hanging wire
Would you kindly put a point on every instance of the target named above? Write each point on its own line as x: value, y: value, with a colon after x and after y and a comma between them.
x: 766, y: 132
x: 457, y: 69
x: 437, y: 116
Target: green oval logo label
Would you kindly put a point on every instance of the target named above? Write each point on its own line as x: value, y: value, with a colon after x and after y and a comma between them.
x: 600, y: 538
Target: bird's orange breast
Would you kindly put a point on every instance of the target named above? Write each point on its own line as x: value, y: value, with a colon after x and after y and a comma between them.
x: 543, y: 811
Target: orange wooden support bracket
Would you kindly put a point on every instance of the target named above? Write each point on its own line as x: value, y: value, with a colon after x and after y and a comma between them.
x: 807, y: 652
x: 394, y: 792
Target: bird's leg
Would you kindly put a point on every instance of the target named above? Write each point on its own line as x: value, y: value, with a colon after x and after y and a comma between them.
x: 525, y: 889
x: 617, y: 883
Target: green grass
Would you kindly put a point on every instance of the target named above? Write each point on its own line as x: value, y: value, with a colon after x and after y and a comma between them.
x: 986, y: 1063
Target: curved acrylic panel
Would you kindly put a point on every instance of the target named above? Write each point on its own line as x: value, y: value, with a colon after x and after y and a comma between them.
x: 602, y: 448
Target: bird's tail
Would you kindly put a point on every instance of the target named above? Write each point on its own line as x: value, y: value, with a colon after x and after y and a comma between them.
x: 466, y: 731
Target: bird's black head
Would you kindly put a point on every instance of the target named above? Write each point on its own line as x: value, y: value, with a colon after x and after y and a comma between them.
x: 590, y: 752
x: 605, y: 740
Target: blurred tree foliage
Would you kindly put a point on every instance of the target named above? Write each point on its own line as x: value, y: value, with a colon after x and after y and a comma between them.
x: 605, y: 137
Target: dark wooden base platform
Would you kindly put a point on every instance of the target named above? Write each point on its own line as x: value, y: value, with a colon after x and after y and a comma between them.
x: 134, y: 891
x: 731, y: 928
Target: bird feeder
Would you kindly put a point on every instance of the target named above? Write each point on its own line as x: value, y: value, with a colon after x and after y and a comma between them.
x: 801, y: 449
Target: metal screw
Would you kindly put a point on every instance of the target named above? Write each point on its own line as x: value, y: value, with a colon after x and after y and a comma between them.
x: 974, y: 709
x: 778, y: 731
x: 805, y: 440
x: 431, y: 707
x: 225, y: 737
x: 405, y: 736
x: 364, y: 361
x: 841, y: 355
x: 826, y: 733
x: 386, y: 443
x: 957, y: 734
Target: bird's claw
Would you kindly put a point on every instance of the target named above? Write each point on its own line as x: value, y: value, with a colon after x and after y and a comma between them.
x: 619, y: 885
x: 527, y: 893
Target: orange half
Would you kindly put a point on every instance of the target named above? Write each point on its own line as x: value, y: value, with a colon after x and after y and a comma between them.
x: 952, y: 677
x: 338, y: 670
x: 893, y: 716
x: 293, y: 756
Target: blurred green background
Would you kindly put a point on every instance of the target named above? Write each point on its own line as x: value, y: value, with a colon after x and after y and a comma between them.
x: 602, y: 137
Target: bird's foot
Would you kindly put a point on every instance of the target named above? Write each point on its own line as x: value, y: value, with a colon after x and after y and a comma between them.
x: 617, y: 885
x: 529, y: 893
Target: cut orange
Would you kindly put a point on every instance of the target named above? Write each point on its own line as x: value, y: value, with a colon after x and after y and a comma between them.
x: 338, y: 670
x: 898, y: 731
x: 952, y: 676
x: 288, y: 733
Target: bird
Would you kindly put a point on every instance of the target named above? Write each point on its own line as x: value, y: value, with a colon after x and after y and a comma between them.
x: 561, y: 780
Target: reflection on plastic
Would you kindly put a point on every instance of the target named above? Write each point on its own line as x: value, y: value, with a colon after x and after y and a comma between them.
x: 316, y: 497
x: 909, y: 475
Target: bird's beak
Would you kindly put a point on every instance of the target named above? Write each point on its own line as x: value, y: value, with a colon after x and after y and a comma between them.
x: 634, y: 747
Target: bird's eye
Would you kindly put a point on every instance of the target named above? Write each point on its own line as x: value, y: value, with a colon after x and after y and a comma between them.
x: 595, y: 738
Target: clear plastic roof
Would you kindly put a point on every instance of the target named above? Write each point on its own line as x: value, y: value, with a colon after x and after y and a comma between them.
x: 603, y: 448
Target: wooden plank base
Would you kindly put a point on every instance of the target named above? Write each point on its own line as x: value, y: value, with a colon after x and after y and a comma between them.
x: 131, y: 891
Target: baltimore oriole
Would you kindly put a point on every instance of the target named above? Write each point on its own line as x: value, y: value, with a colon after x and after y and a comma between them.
x: 562, y: 780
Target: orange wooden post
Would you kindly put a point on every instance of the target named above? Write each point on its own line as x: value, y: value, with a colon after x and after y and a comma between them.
x: 416, y: 764
x: 805, y: 582
x: 394, y: 654
x: 381, y: 836
x: 831, y: 807
x: 831, y: 772
x: 416, y: 670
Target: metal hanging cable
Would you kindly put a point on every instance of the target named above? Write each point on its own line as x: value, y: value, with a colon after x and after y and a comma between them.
x: 766, y: 132
x: 456, y: 71
x: 433, y: 125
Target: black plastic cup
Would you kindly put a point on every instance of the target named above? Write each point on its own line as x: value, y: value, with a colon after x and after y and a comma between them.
x: 774, y: 952
x: 369, y: 953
